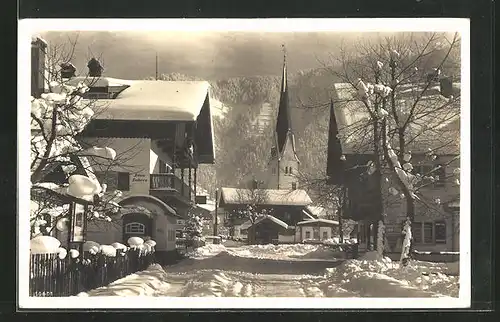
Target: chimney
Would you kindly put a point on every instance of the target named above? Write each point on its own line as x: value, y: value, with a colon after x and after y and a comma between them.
x: 67, y: 70
x: 95, y: 68
x: 38, y: 67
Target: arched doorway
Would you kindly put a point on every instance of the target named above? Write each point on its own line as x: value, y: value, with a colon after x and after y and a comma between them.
x: 137, y: 225
x: 148, y: 216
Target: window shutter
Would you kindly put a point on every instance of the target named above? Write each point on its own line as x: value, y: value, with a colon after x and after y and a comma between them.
x: 428, y: 230
x: 417, y: 232
x: 440, y: 232
x: 123, y: 181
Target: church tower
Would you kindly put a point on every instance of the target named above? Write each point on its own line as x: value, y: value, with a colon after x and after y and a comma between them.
x: 284, y: 163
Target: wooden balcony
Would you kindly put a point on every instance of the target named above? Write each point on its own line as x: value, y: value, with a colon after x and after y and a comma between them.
x: 170, y: 184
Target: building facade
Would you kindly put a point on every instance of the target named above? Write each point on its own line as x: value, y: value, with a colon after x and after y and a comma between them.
x: 159, y: 132
x: 434, y: 149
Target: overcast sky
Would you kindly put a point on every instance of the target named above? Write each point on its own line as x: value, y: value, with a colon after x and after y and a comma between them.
x: 210, y: 55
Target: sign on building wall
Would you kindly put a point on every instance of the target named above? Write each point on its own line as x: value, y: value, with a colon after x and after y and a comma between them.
x: 139, y: 177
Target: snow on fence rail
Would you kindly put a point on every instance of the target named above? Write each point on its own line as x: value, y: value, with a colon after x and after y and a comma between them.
x: 51, y: 276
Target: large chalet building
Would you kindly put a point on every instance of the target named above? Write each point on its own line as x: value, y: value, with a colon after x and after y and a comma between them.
x: 161, y: 131
x: 435, y: 151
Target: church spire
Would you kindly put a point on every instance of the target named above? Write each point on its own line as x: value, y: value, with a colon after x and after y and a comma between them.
x: 283, y: 124
x: 335, y: 159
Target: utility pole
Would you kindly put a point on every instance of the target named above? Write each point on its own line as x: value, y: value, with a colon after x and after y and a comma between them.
x: 341, y: 214
x: 156, y: 67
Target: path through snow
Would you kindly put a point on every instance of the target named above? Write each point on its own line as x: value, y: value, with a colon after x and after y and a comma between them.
x: 264, y: 271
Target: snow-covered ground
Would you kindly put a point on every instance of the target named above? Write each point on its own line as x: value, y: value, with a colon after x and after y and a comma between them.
x: 285, y: 271
x: 284, y: 252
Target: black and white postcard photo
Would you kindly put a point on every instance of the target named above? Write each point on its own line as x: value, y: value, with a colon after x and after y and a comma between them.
x: 253, y: 163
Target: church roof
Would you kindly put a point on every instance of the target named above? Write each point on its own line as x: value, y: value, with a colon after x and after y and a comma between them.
x: 284, y: 130
x: 335, y: 163
x: 284, y: 121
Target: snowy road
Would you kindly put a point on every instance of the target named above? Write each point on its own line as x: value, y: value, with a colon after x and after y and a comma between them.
x: 296, y: 270
x: 228, y: 275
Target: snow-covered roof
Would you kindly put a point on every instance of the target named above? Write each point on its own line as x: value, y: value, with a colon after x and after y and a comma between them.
x: 307, y: 214
x: 208, y: 206
x: 443, y: 134
x: 276, y: 197
x: 318, y: 221
x: 39, y: 39
x: 273, y: 219
x: 156, y: 100
x: 317, y: 211
x: 100, y: 81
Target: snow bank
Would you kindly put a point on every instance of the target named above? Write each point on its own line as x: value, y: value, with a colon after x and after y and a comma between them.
x: 284, y: 251
x: 206, y: 251
x: 384, y: 278
x: 144, y: 283
x: 336, y: 241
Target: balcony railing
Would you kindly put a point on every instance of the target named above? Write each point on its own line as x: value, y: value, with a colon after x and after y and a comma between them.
x: 169, y: 181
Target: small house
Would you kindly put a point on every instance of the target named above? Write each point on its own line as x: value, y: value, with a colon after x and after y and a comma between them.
x: 317, y: 229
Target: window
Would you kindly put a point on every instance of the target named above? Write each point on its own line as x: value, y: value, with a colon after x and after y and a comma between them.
x: 286, y: 170
x: 123, y: 181
x: 316, y: 233
x: 294, y: 185
x: 325, y: 235
x: 440, y: 232
x: 440, y: 173
x: 423, y: 170
x: 114, y: 180
x: 171, y: 235
x: 428, y: 237
x: 135, y: 228
x: 308, y: 234
x: 417, y: 232
x: 290, y: 170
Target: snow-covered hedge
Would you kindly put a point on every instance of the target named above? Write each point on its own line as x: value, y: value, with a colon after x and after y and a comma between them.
x: 371, y: 276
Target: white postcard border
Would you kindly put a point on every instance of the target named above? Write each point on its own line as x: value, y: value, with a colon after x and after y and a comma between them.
x: 30, y: 27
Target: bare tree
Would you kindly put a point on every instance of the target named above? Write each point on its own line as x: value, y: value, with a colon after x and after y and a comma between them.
x: 58, y: 117
x: 254, y: 200
x: 405, y: 85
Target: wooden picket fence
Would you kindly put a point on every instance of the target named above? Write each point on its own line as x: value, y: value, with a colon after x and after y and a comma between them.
x: 51, y: 276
